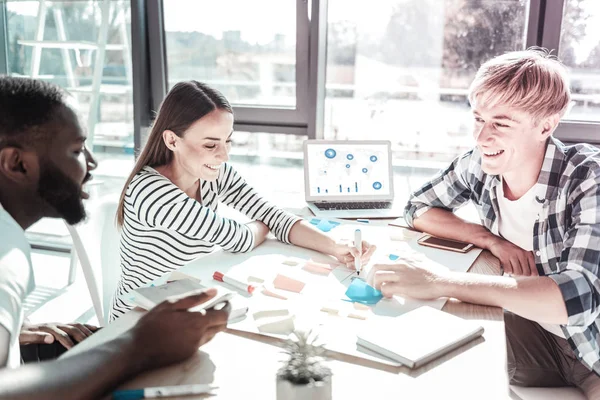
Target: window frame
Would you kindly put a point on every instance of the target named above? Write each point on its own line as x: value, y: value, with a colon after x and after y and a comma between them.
x: 3, y: 39
x: 150, y: 70
x: 270, y: 119
x: 549, y: 29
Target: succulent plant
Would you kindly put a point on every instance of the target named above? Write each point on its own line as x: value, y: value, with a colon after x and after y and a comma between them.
x: 305, y: 362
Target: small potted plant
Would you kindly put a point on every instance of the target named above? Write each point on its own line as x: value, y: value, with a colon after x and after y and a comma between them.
x: 303, y: 375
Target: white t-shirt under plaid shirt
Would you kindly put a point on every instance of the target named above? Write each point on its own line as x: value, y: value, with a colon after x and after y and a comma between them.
x: 566, y: 234
x: 164, y: 228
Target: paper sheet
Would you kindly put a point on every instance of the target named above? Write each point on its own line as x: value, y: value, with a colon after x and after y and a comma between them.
x: 286, y: 283
x: 317, y: 268
x: 270, y: 293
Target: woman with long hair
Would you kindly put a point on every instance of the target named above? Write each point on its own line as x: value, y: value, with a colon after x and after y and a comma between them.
x: 168, y: 208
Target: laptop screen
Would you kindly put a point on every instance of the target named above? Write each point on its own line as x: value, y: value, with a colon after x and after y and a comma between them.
x: 348, y: 170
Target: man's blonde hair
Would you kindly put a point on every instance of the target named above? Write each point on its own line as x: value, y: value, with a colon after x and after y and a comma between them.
x: 533, y: 81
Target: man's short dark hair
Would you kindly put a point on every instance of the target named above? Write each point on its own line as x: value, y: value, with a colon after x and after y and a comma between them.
x: 26, y: 105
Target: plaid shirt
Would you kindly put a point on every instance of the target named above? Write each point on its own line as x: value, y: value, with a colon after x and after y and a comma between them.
x: 566, y: 235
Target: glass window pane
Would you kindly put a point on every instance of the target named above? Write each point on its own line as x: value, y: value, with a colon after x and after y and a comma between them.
x: 399, y: 70
x: 59, y: 42
x: 236, y: 46
x: 580, y: 52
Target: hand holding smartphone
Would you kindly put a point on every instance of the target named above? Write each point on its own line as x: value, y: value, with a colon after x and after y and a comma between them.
x: 445, y: 244
x: 216, y: 302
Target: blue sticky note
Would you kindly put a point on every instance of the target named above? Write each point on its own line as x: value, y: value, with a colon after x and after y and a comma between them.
x: 393, y: 257
x: 323, y: 224
x: 360, y: 292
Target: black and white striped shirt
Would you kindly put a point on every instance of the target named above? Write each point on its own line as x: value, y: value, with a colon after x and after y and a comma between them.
x: 164, y: 228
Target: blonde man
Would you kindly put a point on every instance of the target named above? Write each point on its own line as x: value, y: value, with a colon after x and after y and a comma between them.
x: 538, y: 201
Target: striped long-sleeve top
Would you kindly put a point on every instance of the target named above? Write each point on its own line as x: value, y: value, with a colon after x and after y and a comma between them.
x: 164, y: 228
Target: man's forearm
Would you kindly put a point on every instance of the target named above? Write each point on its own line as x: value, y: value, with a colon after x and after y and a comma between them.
x: 88, y: 375
x: 444, y: 223
x: 536, y: 298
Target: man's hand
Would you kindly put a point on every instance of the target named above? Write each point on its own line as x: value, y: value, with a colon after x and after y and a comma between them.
x: 66, y: 334
x: 169, y: 333
x: 408, y: 278
x: 513, y: 259
x: 346, y: 253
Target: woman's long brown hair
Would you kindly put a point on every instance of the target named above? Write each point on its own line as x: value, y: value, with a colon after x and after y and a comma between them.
x: 185, y: 104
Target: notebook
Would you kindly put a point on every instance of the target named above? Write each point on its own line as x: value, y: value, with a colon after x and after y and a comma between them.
x: 148, y: 297
x: 419, y: 336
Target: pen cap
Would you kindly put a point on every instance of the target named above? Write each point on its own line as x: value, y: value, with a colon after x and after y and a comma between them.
x: 218, y: 276
x: 128, y: 394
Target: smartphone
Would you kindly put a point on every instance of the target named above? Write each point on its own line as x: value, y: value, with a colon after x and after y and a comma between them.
x: 444, y: 244
x: 221, y: 297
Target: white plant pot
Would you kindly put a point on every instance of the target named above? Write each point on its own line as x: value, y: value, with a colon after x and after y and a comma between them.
x: 314, y: 391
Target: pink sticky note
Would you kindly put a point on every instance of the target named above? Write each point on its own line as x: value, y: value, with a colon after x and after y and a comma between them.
x: 269, y: 293
x: 317, y: 268
x: 286, y: 283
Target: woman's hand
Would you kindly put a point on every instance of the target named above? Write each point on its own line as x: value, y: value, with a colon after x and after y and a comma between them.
x: 347, y: 254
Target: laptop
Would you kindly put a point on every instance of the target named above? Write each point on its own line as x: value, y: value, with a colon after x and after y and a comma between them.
x: 349, y: 179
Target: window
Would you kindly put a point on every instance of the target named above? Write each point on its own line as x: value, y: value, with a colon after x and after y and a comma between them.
x: 580, y: 52
x: 84, y: 47
x: 400, y: 70
x: 257, y: 59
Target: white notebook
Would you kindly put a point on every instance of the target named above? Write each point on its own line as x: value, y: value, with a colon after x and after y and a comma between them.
x: 148, y: 297
x: 419, y: 336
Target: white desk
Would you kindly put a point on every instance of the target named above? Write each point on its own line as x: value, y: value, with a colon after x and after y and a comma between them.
x: 243, y: 364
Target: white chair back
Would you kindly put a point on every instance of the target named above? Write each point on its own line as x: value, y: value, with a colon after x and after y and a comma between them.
x: 96, y: 243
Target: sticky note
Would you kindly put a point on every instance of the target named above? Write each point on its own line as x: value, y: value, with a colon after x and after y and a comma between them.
x: 176, y: 276
x: 362, y: 307
x: 269, y: 293
x: 323, y: 224
x: 274, y: 321
x: 357, y: 316
x: 317, y: 268
x: 286, y: 283
x: 270, y: 313
x: 291, y: 263
x: 255, y: 279
x: 360, y: 291
x: 330, y: 310
x: 393, y: 257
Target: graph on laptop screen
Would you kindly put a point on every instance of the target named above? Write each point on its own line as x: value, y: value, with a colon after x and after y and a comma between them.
x: 348, y: 170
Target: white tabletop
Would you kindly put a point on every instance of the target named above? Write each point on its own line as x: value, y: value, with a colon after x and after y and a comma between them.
x: 244, y: 364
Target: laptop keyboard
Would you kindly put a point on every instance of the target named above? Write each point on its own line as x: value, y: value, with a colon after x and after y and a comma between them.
x: 355, y: 205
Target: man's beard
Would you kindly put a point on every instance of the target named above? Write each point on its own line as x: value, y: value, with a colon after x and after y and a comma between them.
x: 61, y: 193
